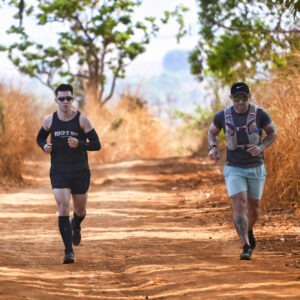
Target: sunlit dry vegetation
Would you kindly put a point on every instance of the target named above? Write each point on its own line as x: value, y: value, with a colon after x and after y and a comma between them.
x: 129, y: 130
x: 126, y: 130
x: 19, y: 122
x: 281, y: 97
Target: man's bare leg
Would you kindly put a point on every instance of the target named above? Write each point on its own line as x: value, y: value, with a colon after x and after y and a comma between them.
x: 62, y: 197
x: 240, y: 218
x: 79, y: 202
x: 253, y: 212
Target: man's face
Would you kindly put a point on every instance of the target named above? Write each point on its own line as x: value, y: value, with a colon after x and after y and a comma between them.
x: 240, y: 102
x: 64, y: 99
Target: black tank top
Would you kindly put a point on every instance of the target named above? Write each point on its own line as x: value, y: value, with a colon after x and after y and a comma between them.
x: 64, y: 158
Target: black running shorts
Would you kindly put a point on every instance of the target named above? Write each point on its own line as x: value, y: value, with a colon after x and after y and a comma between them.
x: 78, y: 182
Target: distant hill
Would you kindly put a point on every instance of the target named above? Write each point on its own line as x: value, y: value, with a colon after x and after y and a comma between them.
x: 176, y: 60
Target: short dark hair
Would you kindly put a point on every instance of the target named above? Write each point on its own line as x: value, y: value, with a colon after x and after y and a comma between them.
x: 64, y: 87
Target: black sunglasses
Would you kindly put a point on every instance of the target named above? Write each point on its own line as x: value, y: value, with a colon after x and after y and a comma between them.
x: 244, y: 98
x: 68, y: 98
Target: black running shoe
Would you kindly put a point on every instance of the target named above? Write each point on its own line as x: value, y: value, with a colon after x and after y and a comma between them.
x: 252, y: 240
x: 69, y: 257
x: 247, y: 252
x: 76, y: 233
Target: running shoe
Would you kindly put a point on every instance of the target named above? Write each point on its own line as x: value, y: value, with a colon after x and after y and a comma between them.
x: 252, y: 240
x: 69, y: 257
x: 247, y: 252
x: 76, y: 233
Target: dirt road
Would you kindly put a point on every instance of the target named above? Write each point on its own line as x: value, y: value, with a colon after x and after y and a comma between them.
x: 155, y: 229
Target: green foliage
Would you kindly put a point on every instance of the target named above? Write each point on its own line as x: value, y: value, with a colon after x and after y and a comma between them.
x: 178, y: 13
x: 241, y: 38
x: 198, y: 121
x: 293, y: 5
x: 136, y: 103
x: 116, y: 123
x: 98, y: 37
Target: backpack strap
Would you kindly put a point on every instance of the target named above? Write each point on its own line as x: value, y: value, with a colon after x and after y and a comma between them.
x: 252, y: 119
x: 228, y: 119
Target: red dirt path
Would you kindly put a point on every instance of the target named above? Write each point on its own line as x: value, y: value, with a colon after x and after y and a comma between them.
x: 155, y: 229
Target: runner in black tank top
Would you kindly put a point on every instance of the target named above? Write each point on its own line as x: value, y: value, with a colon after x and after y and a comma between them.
x: 64, y: 158
x: 69, y: 172
x: 69, y: 166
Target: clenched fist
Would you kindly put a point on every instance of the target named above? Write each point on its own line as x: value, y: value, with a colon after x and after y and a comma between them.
x: 72, y: 142
x: 48, y: 147
x: 214, y: 154
x: 254, y: 150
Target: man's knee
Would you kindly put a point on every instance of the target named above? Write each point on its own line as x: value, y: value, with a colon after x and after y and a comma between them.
x: 80, y: 212
x: 239, y: 203
x: 253, y: 206
x: 79, y: 202
x: 63, y: 209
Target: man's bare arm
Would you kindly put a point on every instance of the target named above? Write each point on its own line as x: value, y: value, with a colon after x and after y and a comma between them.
x: 85, y: 123
x: 43, y: 134
x: 270, y: 130
x: 213, y: 133
x: 47, y: 122
x: 212, y: 136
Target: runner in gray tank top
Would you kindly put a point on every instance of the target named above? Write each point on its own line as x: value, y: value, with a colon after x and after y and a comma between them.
x: 245, y: 171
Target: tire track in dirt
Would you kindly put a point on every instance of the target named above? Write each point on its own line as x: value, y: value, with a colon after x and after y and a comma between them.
x: 155, y: 229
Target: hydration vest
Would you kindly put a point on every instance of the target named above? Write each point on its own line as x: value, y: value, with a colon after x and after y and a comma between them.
x: 250, y: 128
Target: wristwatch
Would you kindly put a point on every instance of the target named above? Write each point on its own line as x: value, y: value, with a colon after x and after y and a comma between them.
x: 212, y: 146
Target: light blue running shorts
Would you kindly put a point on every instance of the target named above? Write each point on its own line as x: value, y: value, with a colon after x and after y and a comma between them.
x: 251, y: 180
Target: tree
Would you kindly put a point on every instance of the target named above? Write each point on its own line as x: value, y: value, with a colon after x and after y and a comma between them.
x: 98, y: 38
x: 240, y: 39
x: 293, y: 5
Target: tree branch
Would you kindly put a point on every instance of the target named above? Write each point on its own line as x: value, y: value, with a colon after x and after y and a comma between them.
x: 102, y: 69
x: 79, y: 75
x: 77, y: 20
x: 113, y: 85
x: 92, y: 65
x: 213, y: 21
x: 47, y: 84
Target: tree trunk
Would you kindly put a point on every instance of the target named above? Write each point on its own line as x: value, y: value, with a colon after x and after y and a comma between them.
x: 92, y: 91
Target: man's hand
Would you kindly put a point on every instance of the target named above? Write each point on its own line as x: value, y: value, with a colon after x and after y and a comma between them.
x: 48, y: 148
x: 73, y: 143
x: 254, y: 150
x: 214, y: 154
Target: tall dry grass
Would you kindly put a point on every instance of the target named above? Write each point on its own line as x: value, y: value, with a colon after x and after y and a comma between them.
x: 129, y: 130
x: 281, y: 97
x: 18, y: 126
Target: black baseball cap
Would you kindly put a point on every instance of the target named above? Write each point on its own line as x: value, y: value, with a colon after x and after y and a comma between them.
x: 239, y: 88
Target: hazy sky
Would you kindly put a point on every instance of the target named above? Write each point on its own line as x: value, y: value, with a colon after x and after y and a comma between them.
x: 150, y: 62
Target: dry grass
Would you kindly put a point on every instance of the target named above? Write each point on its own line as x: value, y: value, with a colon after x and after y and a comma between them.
x: 281, y: 98
x: 18, y: 129
x: 129, y: 130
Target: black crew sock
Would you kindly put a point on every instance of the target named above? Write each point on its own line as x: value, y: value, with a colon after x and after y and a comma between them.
x: 77, y: 221
x: 65, y: 229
